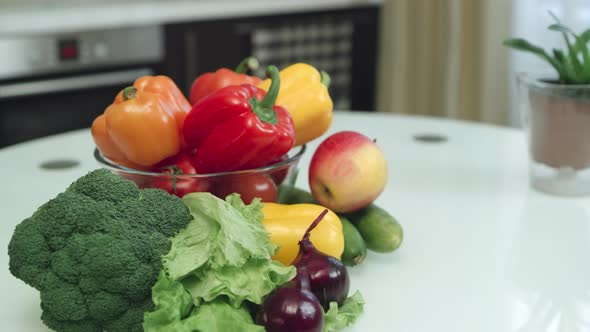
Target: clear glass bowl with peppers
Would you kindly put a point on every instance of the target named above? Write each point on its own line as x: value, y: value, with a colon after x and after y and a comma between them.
x: 234, y: 139
x: 260, y: 182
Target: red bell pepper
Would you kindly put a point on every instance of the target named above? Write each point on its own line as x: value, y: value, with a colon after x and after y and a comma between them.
x: 239, y: 127
x: 210, y: 82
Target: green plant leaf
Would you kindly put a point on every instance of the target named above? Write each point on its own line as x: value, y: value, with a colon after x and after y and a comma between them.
x: 581, y: 46
x: 567, y: 68
x: 560, y: 28
x: 559, y: 56
x: 523, y: 45
x: 559, y: 63
x: 584, y: 37
x: 567, y: 73
x: 582, y: 40
x: 573, y: 51
x: 573, y: 55
x: 573, y: 64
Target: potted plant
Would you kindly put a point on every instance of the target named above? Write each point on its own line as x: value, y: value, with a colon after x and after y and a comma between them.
x: 557, y: 113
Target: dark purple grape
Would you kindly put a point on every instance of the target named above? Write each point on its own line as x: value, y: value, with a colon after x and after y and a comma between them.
x: 291, y: 309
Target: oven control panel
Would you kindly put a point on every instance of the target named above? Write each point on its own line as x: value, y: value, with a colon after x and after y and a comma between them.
x: 24, y: 56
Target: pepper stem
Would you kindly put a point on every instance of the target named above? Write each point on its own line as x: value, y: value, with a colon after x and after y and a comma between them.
x: 249, y: 63
x: 264, y: 108
x: 129, y: 93
x: 325, y: 79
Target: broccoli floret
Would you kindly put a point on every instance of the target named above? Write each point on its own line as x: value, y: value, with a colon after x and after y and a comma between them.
x: 94, y: 252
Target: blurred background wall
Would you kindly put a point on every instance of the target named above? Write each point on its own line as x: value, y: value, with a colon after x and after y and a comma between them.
x: 440, y: 58
x: 445, y: 58
x: 73, y: 58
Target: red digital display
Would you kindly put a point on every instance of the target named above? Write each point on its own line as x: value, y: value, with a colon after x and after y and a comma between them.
x: 68, y: 50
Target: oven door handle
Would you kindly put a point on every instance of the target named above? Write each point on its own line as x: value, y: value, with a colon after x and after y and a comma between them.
x: 84, y: 82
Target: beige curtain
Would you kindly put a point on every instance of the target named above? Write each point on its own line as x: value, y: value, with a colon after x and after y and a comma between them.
x: 444, y: 58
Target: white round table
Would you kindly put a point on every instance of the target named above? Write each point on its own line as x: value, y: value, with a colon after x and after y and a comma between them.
x: 482, y: 252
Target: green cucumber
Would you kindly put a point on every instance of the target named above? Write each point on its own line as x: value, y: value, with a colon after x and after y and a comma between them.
x: 380, y: 230
x: 293, y: 195
x: 355, y: 249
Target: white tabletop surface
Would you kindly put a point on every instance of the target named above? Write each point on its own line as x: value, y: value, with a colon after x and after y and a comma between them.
x: 53, y: 16
x: 482, y: 252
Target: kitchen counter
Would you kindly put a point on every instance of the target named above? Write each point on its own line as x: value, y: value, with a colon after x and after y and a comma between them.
x: 481, y: 252
x: 56, y: 18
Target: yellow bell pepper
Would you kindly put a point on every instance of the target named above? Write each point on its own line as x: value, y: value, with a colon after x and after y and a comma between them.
x: 287, y: 223
x: 304, y: 93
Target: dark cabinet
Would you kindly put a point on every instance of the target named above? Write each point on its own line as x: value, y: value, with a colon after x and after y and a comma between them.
x: 58, y: 94
x: 341, y: 42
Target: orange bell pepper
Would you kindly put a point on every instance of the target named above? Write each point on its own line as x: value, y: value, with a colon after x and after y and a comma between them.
x: 139, y: 129
x: 107, y: 147
x: 103, y: 141
x: 130, y: 152
x: 168, y: 91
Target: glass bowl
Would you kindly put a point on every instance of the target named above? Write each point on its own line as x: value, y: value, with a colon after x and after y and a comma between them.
x: 262, y: 182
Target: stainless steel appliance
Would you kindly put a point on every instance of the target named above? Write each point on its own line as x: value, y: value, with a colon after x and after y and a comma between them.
x: 53, y: 83
x: 59, y: 82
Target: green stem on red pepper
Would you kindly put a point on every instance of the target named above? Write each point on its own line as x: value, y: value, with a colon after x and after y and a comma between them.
x: 248, y: 64
x: 239, y: 127
x: 129, y: 93
x: 264, y: 108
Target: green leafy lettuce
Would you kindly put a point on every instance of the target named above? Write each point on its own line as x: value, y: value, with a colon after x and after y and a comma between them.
x: 217, y: 264
x: 338, y: 318
x: 175, y: 312
x: 222, y: 233
x: 250, y: 282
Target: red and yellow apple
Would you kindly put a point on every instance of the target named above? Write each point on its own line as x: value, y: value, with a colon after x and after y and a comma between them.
x: 347, y: 172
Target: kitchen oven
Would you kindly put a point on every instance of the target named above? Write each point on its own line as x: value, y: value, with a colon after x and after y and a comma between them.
x: 55, y: 83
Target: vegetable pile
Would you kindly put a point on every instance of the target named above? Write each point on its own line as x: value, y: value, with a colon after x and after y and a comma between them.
x: 322, y: 283
x: 216, y: 255
x: 234, y: 121
x: 106, y: 255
